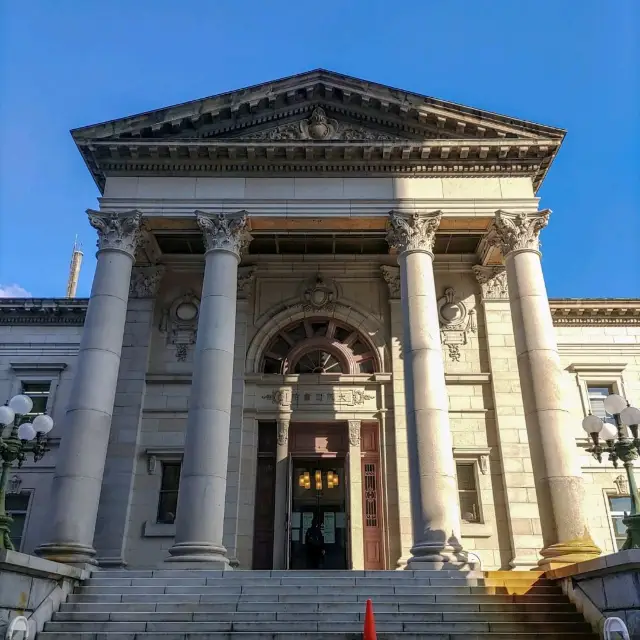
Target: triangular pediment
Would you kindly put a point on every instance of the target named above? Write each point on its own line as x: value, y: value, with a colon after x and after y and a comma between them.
x: 367, y: 106
x: 319, y: 119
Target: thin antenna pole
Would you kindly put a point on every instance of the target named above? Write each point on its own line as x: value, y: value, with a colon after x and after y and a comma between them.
x: 74, y: 269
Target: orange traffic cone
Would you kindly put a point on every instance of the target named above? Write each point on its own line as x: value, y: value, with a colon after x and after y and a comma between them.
x: 369, y: 623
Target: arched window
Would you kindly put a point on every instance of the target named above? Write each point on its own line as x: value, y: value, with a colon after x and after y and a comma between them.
x: 319, y: 345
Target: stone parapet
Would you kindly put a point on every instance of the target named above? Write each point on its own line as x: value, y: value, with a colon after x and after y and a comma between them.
x: 605, y: 587
x: 34, y: 587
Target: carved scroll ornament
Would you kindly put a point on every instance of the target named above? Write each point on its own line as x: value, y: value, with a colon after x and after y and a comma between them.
x: 145, y: 281
x: 391, y: 276
x: 320, y: 127
x: 493, y: 282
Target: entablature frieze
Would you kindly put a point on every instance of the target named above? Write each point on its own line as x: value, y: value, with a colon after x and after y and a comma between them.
x: 309, y: 214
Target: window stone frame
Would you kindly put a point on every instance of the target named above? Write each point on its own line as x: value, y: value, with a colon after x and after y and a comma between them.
x: 155, y: 457
x: 479, y: 458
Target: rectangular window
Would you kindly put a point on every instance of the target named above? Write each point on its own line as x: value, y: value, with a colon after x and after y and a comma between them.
x: 468, y: 492
x: 597, y: 394
x: 618, y: 506
x: 168, y: 501
x: 17, y: 506
x: 39, y: 393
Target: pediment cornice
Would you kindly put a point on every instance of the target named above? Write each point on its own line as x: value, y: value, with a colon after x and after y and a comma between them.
x: 287, y: 111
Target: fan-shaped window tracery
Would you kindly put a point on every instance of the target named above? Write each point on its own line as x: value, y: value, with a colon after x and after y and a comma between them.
x: 319, y: 345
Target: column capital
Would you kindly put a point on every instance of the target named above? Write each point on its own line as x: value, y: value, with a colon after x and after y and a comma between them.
x: 224, y: 232
x: 493, y: 282
x: 355, y: 427
x: 283, y: 430
x: 145, y: 281
x: 415, y: 232
x: 519, y: 231
x: 391, y: 276
x: 117, y: 231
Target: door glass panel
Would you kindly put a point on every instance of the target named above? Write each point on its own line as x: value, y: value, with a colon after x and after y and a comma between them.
x: 318, y: 492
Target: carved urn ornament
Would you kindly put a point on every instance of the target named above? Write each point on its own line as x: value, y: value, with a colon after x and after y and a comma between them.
x: 180, y: 324
x: 318, y: 126
x: 455, y: 322
x: 319, y: 296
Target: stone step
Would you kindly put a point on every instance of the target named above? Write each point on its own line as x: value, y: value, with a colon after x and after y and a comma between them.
x: 306, y: 607
x: 173, y: 574
x: 312, y: 590
x: 314, y: 635
x: 319, y: 581
x: 441, y: 597
x: 354, y: 615
x: 319, y: 626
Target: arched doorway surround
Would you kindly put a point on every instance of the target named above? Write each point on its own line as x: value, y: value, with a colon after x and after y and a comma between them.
x: 366, y: 336
x: 319, y: 345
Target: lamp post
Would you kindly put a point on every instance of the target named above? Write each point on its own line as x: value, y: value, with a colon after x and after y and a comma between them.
x: 620, y: 446
x: 23, y: 438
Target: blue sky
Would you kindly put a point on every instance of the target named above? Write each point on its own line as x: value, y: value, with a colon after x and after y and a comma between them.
x: 566, y: 63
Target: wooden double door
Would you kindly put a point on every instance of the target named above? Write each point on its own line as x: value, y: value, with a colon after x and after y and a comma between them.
x: 322, y: 449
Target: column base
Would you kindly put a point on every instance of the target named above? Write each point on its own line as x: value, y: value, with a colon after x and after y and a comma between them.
x: 566, y: 553
x: 194, y: 555
x: 77, y: 555
x: 525, y: 563
x: 430, y: 558
x: 115, y: 562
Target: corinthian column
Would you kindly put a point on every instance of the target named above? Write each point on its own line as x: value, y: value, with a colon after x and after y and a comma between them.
x: 554, y: 455
x: 432, y: 475
x: 77, y: 481
x: 203, y: 481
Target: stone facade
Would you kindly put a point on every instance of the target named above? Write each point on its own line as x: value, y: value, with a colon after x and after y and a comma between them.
x: 201, y: 274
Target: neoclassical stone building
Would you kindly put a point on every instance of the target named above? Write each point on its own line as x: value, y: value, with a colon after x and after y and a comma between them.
x: 319, y: 297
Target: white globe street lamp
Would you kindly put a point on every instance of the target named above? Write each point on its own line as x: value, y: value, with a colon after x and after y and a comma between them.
x: 24, y: 437
x: 621, y: 442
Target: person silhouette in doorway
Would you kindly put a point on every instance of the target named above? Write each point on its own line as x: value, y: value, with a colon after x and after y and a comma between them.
x: 314, y: 541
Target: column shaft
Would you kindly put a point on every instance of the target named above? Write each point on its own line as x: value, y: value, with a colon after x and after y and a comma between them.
x: 434, y: 500
x: 280, y: 511
x: 399, y: 503
x: 554, y: 455
x: 203, y: 480
x: 77, y: 481
x: 114, y: 511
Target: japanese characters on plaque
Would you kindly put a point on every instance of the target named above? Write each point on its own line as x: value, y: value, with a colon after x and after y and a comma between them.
x: 334, y: 397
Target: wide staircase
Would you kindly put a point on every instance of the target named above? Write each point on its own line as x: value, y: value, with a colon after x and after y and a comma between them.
x: 252, y: 605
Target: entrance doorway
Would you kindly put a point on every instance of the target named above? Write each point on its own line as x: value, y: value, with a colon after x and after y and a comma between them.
x: 318, y: 490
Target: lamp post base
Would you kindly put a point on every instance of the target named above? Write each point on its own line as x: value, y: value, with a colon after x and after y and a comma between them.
x: 632, y: 523
x: 5, y: 531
